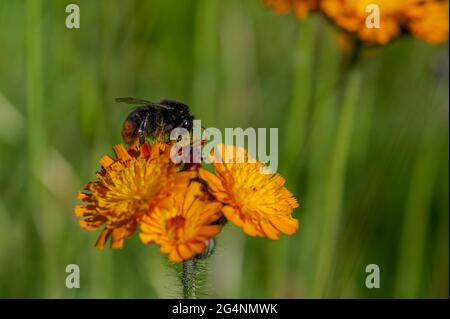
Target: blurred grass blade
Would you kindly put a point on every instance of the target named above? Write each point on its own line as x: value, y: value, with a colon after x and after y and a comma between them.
x: 35, y: 116
x: 301, y: 92
x: 416, y: 218
x: 36, y: 139
x: 295, y: 132
x: 205, y: 61
x: 11, y: 121
x: 413, y: 240
x: 335, y: 185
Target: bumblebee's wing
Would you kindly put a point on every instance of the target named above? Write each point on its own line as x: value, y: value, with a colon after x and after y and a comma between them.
x: 132, y: 100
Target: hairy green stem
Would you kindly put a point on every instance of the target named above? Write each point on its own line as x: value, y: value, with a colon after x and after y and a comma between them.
x: 189, y: 279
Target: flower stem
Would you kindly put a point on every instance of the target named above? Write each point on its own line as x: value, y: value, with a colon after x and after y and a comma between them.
x: 189, y: 279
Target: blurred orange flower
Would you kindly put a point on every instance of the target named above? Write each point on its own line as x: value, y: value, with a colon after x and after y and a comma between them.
x: 127, y: 188
x: 351, y: 15
x: 428, y: 20
x: 425, y: 19
x: 183, y: 224
x: 300, y: 7
x: 256, y: 202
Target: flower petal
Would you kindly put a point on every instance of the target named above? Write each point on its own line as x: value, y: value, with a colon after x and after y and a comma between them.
x: 285, y: 225
x: 214, y: 183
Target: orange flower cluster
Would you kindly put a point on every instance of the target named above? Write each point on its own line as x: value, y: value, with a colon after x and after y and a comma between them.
x: 180, y: 209
x: 425, y: 19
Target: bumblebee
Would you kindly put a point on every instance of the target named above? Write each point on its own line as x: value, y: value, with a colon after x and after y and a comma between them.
x: 153, y: 120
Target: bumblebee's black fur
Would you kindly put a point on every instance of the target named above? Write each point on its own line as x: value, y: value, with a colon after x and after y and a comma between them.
x: 155, y: 119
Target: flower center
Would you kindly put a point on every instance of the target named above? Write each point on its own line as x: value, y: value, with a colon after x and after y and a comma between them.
x: 175, y: 227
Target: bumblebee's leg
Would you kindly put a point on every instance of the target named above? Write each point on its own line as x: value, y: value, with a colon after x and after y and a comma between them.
x: 162, y: 131
x: 160, y: 126
x: 141, y: 138
x: 143, y: 128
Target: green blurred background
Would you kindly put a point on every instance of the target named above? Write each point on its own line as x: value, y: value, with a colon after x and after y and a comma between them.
x: 371, y: 173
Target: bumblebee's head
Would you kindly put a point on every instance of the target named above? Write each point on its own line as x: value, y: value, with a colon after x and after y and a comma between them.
x: 186, y: 122
x: 183, y: 116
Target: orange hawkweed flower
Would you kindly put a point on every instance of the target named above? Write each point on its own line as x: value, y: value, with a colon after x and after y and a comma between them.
x: 256, y: 202
x: 127, y: 188
x: 300, y: 7
x: 183, y: 224
x: 428, y: 20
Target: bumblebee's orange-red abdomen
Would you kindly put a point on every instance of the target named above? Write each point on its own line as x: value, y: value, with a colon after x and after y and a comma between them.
x: 129, y: 132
